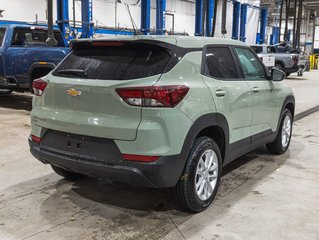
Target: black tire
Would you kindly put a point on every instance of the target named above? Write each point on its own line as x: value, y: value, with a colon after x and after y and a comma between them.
x: 68, y: 175
x: 276, y: 147
x: 185, y: 190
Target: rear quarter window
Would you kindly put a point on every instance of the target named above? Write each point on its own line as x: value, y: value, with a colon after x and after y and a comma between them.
x: 220, y: 63
x: 115, y: 63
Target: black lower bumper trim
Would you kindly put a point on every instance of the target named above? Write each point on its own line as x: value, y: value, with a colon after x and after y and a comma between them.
x: 163, y: 173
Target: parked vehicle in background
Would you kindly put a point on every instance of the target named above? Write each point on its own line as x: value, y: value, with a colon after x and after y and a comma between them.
x: 160, y: 112
x: 266, y: 54
x: 24, y: 55
x: 285, y: 47
x: 287, y: 62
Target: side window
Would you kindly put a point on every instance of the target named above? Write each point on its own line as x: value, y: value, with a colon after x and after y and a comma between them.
x: 253, y: 69
x: 20, y: 37
x: 2, y: 33
x: 220, y: 63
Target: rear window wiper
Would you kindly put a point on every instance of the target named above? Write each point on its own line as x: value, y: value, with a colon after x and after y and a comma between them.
x: 76, y: 72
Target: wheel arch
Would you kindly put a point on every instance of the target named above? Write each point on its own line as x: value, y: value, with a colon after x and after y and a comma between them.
x: 280, y: 62
x: 291, y: 107
x: 212, y: 125
x: 39, y: 65
x: 289, y: 103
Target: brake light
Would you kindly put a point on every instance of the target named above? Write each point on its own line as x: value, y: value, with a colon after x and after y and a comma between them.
x: 38, y: 86
x: 107, y: 44
x: 36, y: 139
x: 139, y: 158
x: 153, y: 96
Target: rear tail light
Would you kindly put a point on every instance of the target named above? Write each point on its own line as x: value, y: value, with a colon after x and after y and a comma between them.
x: 38, y: 86
x: 153, y: 96
x: 36, y: 139
x: 139, y: 158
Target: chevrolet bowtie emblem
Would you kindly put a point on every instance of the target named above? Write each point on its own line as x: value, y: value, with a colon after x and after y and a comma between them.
x: 73, y: 92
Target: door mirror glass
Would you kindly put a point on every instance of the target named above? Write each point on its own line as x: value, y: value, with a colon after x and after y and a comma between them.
x: 277, y: 75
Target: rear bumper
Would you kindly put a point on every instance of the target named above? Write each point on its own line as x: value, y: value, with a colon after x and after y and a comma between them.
x: 162, y: 173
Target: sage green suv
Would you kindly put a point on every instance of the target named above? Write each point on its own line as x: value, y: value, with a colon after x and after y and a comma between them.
x: 159, y: 111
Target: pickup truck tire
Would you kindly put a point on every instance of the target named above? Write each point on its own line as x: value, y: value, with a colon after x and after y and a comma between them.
x: 282, y: 141
x: 68, y: 175
x: 201, y: 175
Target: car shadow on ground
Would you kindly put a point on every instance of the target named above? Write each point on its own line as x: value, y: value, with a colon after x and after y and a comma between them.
x: 140, y: 212
x: 16, y: 101
x: 127, y: 198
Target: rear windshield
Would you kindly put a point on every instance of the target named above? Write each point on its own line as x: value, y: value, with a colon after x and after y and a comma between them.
x: 34, y: 37
x: 129, y: 61
x: 2, y: 33
x: 257, y: 49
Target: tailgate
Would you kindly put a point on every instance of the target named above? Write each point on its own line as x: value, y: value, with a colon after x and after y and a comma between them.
x: 87, y: 104
x: 268, y: 60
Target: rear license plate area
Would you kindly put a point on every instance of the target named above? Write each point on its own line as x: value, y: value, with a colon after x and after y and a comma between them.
x: 82, y: 147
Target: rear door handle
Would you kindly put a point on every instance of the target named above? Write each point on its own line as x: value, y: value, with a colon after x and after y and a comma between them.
x: 256, y: 90
x: 220, y: 93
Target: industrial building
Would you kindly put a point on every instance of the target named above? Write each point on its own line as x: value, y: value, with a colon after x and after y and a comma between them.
x: 159, y: 119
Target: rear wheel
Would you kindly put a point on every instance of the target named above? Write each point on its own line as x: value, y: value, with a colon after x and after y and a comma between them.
x: 198, y: 185
x: 282, y: 141
x: 68, y: 175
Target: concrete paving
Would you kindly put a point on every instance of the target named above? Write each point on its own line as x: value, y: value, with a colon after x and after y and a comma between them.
x: 261, y: 196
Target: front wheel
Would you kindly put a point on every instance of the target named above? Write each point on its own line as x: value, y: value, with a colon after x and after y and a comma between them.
x: 282, y: 141
x: 198, y: 185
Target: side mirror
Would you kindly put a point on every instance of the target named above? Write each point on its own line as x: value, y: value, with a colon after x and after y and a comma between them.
x: 277, y: 75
